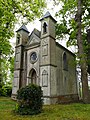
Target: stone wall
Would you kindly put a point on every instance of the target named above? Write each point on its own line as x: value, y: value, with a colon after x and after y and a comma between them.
x: 66, y: 79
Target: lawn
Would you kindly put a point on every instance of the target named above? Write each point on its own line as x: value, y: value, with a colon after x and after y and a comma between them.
x: 74, y: 111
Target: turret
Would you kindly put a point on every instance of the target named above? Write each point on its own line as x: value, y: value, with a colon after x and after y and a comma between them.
x: 22, y: 35
x: 47, y: 25
x: 21, y: 40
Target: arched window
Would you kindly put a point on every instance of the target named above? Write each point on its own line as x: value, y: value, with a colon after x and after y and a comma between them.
x: 32, y: 76
x: 18, y: 39
x: 65, y: 63
x: 44, y: 27
x: 44, y: 78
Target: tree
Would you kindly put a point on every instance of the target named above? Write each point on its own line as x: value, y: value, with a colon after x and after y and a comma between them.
x: 75, y: 19
x: 12, y: 11
x: 83, y: 58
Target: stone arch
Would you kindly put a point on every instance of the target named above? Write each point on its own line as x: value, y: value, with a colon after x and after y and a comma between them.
x: 33, y: 76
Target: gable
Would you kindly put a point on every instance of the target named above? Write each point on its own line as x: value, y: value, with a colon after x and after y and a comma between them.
x: 34, y: 38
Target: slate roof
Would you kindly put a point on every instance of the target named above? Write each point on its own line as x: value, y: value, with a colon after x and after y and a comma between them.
x: 23, y: 27
x: 48, y: 15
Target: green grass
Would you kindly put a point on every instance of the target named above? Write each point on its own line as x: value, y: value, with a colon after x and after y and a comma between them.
x: 74, y: 111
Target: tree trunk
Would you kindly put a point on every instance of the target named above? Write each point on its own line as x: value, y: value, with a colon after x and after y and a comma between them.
x: 83, y: 64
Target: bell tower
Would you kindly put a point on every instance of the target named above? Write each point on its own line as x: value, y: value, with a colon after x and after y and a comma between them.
x: 48, y: 26
x: 48, y: 58
x: 21, y: 40
x: 48, y: 39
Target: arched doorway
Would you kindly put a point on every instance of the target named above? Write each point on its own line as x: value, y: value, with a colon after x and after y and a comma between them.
x: 33, y: 76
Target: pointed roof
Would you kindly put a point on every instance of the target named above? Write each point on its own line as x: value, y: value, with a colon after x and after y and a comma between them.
x: 23, y: 27
x: 36, y: 32
x: 48, y: 15
x: 34, y: 37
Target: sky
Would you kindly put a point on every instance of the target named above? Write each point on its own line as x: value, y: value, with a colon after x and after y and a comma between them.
x: 37, y: 24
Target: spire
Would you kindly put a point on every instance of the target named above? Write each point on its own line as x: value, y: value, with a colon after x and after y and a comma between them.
x: 23, y: 27
x: 48, y: 15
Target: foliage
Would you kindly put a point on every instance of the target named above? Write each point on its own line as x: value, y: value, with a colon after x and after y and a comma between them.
x: 7, y: 68
x: 29, y: 100
x: 68, y: 21
x: 6, y: 91
x: 75, y: 111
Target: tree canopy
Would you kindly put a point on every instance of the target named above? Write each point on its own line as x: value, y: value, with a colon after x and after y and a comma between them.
x: 68, y: 23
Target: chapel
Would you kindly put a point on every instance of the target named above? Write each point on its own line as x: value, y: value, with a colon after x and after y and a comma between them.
x: 40, y: 60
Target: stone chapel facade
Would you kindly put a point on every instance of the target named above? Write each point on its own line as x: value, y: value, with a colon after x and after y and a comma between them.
x: 40, y: 60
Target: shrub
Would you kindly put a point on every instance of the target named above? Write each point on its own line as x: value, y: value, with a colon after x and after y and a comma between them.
x: 29, y: 100
x: 5, y: 91
x: 8, y: 90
